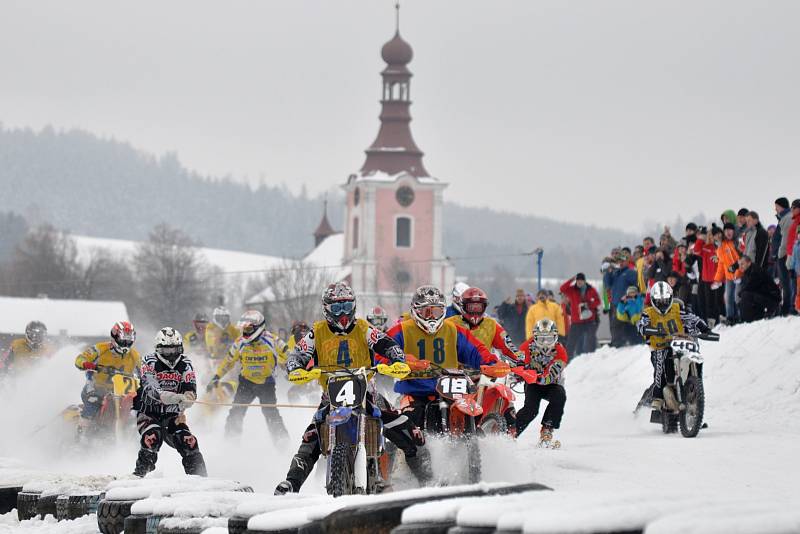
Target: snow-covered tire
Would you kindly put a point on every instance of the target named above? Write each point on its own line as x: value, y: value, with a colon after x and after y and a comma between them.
x: 46, y: 505
x: 691, y: 417
x: 341, y: 478
x: 136, y: 524
x: 471, y: 530
x: 423, y: 528
x: 26, y: 504
x: 494, y: 424
x: 8, y: 498
x: 180, y: 530
x: 237, y: 524
x: 62, y: 507
x: 111, y: 516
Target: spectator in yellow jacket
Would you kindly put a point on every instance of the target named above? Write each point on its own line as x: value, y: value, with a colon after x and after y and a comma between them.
x: 544, y: 309
x: 101, y: 361
x: 220, y: 333
x: 26, y: 351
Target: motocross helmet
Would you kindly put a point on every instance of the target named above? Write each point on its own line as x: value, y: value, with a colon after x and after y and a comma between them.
x: 545, y: 335
x: 122, y: 337
x: 299, y: 330
x: 661, y: 297
x: 339, y: 307
x: 221, y: 316
x: 252, y: 325
x: 35, y: 334
x: 200, y: 322
x: 428, y: 308
x: 455, y: 297
x: 474, y: 302
x: 378, y: 318
x: 169, y: 345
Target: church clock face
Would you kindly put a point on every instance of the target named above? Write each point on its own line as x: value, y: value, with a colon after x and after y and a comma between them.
x: 405, y: 196
x: 356, y: 196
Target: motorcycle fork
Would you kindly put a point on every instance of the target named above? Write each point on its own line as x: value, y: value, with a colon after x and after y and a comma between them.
x: 443, y: 412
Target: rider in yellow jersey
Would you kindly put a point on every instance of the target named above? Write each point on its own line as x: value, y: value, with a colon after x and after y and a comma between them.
x: 101, y: 361
x: 258, y: 352
x: 195, y: 342
x: 663, y: 319
x: 341, y: 340
x: 25, y: 352
x: 489, y: 332
x: 220, y: 333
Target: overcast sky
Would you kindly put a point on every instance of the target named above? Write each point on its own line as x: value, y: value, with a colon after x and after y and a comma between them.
x: 606, y: 112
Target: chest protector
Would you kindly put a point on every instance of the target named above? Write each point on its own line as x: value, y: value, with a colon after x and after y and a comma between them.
x: 342, y: 350
x: 670, y: 323
x: 440, y: 348
x: 258, y: 360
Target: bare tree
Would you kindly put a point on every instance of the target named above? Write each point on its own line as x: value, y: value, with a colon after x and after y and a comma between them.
x: 171, y: 273
x: 291, y: 292
x: 400, y: 277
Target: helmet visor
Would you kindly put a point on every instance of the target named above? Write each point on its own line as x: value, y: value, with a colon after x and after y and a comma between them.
x: 546, y: 339
x: 170, y: 351
x: 248, y: 328
x: 477, y: 308
x: 344, y: 307
x: 429, y: 313
x: 36, y: 335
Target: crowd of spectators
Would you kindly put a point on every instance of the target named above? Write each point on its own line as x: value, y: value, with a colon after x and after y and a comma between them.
x: 734, y: 271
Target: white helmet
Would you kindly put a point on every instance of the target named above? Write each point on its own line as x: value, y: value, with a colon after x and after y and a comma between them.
x: 545, y: 335
x: 458, y: 290
x: 252, y: 324
x: 661, y: 297
x: 169, y: 345
x: 221, y: 316
x: 427, y: 308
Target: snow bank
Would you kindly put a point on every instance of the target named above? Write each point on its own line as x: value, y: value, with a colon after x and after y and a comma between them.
x: 83, y: 525
x: 135, y: 488
x: 780, y: 517
x: 68, y: 484
x: 193, y: 503
x: 262, y: 504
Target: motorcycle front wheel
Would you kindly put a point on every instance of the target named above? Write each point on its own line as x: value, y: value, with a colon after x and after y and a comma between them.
x: 473, y: 450
x: 340, y: 471
x: 691, y: 417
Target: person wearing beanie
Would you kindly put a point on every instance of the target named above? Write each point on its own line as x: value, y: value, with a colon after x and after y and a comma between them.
x: 728, y: 272
x: 584, y: 301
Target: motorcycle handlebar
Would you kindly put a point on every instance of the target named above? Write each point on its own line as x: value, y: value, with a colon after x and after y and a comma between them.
x: 709, y: 336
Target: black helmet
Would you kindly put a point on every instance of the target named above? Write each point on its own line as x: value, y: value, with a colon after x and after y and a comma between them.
x: 339, y: 307
x: 35, y: 334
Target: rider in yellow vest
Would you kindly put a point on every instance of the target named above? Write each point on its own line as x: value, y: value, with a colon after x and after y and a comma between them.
x: 474, y: 302
x: 258, y: 352
x: 220, y: 333
x: 660, y: 321
x: 101, y: 361
x: 195, y: 342
x: 427, y: 336
x: 341, y: 340
x: 25, y: 352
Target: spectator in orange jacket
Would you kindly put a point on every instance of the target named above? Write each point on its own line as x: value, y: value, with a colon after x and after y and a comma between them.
x: 728, y: 271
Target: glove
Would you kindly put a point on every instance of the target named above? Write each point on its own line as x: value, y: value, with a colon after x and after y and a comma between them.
x: 188, y: 400
x: 716, y: 285
x: 301, y: 376
x: 213, y: 384
x: 89, y: 366
x: 733, y: 267
x: 536, y: 366
x: 397, y: 370
x: 170, y: 397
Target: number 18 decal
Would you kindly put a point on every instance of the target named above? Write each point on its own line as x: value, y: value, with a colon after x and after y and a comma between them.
x: 452, y: 385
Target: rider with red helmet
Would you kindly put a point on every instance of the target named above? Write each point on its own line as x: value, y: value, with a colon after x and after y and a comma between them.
x: 474, y: 302
x: 378, y: 318
x: 101, y: 361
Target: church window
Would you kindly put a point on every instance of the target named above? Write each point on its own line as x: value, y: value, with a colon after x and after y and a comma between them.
x: 403, y: 232
x: 355, y: 233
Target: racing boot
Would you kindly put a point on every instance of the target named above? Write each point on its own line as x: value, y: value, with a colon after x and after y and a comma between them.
x: 145, y: 463
x: 284, y: 487
x: 670, y: 399
x: 194, y: 464
x: 546, y: 438
x: 420, y: 466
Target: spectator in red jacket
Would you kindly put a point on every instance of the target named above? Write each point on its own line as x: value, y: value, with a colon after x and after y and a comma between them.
x: 584, y: 301
x: 704, y: 247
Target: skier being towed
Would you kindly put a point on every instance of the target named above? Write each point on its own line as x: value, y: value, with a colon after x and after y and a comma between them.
x: 167, y: 389
x: 341, y: 340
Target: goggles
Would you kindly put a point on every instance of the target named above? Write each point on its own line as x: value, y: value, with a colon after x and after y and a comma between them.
x: 125, y: 342
x: 344, y: 307
x: 172, y: 350
x: 428, y: 313
x: 475, y: 307
x: 546, y: 339
x: 378, y: 321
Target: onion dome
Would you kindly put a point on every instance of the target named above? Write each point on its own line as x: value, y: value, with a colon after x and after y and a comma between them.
x: 397, y: 51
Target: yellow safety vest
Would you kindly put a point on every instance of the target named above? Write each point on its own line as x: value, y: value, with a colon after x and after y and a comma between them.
x: 669, y: 323
x: 440, y: 348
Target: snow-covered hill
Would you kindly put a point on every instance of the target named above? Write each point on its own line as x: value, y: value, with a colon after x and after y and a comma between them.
x: 752, y: 379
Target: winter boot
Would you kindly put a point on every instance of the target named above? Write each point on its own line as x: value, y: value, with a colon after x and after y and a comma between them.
x: 546, y: 438
x: 284, y: 487
x: 145, y: 462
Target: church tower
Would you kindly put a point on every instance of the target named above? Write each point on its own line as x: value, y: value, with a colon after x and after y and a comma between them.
x: 393, y: 216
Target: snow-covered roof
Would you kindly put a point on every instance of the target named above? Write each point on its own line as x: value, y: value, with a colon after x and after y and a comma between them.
x: 227, y: 260
x: 327, y: 257
x: 79, y: 318
x: 380, y: 176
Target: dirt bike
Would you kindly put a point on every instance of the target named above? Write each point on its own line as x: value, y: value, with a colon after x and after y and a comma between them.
x: 114, y: 415
x: 454, y: 411
x: 684, y: 397
x: 496, y: 397
x: 351, y: 430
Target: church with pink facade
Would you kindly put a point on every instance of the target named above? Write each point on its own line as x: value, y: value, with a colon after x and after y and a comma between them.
x: 393, y: 217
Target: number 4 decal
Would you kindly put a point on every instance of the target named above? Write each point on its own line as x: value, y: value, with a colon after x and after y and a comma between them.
x: 347, y: 395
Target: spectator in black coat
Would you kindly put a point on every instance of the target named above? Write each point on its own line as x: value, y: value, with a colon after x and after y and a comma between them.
x: 756, y: 241
x: 512, y: 316
x: 759, y: 295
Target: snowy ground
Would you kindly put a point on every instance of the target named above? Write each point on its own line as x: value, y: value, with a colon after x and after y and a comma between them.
x: 752, y: 380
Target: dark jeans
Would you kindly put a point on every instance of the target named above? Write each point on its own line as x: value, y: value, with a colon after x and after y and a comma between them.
x: 582, y: 338
x: 246, y: 393
x: 756, y: 306
x: 786, y: 286
x: 556, y: 398
x: 617, y: 327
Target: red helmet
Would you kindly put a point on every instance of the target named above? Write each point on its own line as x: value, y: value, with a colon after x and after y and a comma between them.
x: 378, y: 318
x: 122, y: 336
x: 473, y: 305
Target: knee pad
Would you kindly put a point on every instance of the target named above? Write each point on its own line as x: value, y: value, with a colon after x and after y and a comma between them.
x: 185, y: 441
x: 152, y: 438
